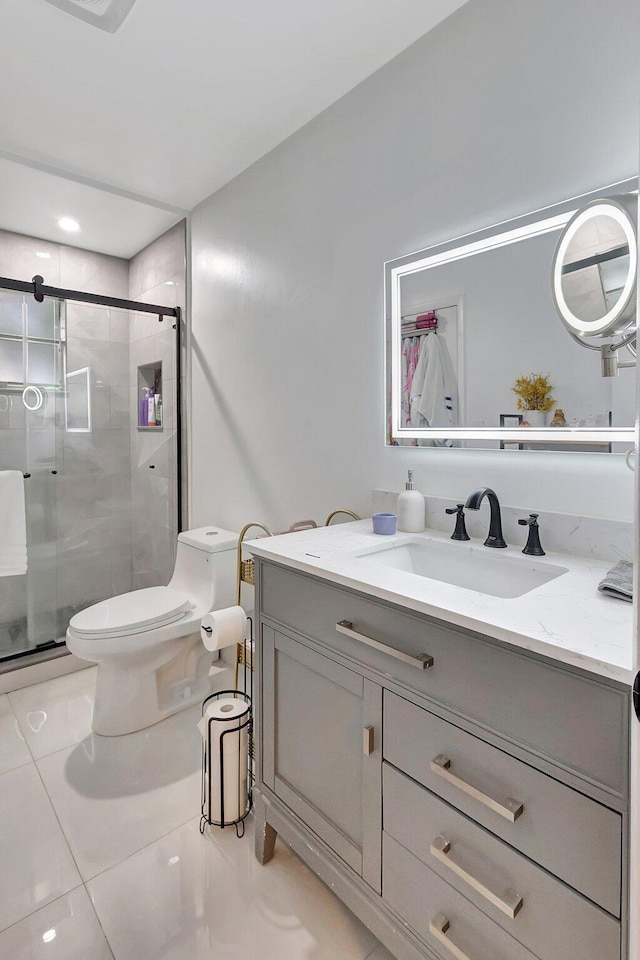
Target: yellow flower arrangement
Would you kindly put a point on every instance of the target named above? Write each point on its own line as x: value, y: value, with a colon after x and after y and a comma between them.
x: 534, y: 392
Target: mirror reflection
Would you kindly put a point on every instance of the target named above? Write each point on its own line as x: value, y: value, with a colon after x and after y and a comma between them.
x: 595, y: 268
x: 476, y: 352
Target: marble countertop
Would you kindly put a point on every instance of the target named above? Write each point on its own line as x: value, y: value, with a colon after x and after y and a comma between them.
x: 566, y: 619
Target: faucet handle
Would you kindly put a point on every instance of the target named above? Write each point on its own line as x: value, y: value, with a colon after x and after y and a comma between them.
x: 533, y: 547
x: 530, y: 521
x: 460, y: 532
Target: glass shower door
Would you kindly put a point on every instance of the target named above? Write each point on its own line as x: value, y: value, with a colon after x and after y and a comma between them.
x: 30, y: 393
x: 100, y: 467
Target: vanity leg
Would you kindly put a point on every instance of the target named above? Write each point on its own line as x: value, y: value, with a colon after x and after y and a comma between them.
x: 264, y: 836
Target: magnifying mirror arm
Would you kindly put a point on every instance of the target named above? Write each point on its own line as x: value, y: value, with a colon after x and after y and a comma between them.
x: 610, y: 362
x: 609, y: 352
x: 628, y: 339
x: 582, y: 342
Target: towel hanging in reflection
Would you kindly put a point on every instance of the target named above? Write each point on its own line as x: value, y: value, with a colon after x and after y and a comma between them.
x: 434, y: 391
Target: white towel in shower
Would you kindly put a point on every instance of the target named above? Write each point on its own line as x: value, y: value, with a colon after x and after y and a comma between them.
x: 13, y: 524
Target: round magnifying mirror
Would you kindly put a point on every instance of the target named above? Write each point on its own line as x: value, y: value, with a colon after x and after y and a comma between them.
x: 594, y: 268
x: 33, y: 398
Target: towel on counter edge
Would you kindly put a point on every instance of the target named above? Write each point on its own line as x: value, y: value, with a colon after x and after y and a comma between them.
x: 618, y: 582
x: 13, y: 525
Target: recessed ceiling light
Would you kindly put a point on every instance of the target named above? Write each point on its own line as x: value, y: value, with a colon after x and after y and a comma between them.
x: 106, y: 14
x: 168, y: 283
x: 43, y: 255
x: 49, y: 935
x: 69, y: 224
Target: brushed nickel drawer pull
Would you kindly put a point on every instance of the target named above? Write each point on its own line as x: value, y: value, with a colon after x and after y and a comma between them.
x: 438, y: 927
x: 367, y: 741
x: 422, y: 661
x: 510, y: 902
x: 509, y: 809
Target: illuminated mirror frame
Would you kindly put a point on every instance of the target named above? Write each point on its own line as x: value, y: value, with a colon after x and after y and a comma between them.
x: 535, y: 224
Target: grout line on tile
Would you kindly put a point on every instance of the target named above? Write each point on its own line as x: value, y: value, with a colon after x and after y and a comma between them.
x: 134, y: 853
x: 23, y: 735
x: 55, y: 813
x: 63, y: 676
x: 69, y: 746
x: 369, y: 955
x: 37, y: 910
x: 97, y: 916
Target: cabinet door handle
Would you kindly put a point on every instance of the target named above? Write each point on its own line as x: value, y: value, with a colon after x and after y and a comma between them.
x: 438, y: 927
x: 422, y: 661
x: 510, y: 902
x: 367, y: 741
x: 509, y: 809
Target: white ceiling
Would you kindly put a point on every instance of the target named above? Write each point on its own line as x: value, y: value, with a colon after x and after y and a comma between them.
x: 127, y: 131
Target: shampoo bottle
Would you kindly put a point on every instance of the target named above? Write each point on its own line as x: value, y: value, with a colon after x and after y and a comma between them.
x: 411, y: 509
x: 144, y: 409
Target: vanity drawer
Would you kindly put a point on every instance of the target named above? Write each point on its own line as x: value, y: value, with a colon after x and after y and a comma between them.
x: 541, y: 912
x: 575, y: 838
x: 575, y: 721
x: 447, y: 922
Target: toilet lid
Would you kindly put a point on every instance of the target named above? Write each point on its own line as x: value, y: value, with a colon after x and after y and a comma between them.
x: 130, y: 612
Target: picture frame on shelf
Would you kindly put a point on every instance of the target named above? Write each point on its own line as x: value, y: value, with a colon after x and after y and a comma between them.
x: 511, y: 420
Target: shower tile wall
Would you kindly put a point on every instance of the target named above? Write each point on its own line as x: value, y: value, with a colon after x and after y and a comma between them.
x: 156, y: 275
x: 94, y: 548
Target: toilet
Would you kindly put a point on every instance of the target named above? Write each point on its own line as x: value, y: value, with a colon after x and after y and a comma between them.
x: 151, y: 660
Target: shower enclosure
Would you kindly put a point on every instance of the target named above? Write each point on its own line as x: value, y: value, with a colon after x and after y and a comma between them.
x: 90, y: 413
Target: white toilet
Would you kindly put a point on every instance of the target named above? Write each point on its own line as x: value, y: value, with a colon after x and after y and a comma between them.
x: 151, y: 660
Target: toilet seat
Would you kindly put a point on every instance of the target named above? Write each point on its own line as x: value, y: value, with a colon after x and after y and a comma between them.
x: 131, y: 613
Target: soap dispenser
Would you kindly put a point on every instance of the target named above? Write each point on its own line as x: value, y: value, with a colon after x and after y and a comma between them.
x: 411, y: 508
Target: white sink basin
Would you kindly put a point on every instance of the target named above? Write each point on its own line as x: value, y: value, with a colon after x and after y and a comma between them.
x: 460, y: 564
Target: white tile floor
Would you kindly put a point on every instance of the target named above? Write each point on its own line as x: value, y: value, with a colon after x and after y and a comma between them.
x: 101, y: 856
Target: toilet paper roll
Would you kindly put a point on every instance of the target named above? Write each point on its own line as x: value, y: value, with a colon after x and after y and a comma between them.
x: 222, y: 628
x: 227, y: 714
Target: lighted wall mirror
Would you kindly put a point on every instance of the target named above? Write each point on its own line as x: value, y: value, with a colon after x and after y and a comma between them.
x: 478, y: 351
x: 77, y: 401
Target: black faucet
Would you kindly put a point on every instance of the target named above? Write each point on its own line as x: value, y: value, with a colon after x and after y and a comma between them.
x: 460, y: 532
x: 495, y: 538
x: 533, y: 546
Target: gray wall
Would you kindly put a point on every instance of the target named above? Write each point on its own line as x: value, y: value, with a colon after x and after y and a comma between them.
x: 506, y: 106
x: 156, y: 275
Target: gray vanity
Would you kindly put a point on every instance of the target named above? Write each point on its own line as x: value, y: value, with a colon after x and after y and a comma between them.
x: 465, y: 797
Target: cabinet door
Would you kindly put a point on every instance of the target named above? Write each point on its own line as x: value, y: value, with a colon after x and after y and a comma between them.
x: 322, y: 748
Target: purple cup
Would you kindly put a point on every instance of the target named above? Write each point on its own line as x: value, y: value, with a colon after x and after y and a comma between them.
x: 385, y: 523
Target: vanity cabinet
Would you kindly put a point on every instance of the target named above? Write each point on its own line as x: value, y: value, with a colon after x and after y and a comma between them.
x: 323, y: 759
x: 465, y: 799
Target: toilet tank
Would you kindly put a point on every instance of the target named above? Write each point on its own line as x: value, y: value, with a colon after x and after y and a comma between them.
x: 206, y: 563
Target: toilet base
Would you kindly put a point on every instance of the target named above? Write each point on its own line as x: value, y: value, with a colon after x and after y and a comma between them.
x: 141, y: 708
x: 129, y: 698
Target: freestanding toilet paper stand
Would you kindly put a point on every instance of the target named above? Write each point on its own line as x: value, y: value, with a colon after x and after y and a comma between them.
x: 227, y: 752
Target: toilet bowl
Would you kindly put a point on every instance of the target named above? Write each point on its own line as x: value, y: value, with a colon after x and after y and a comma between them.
x: 151, y: 660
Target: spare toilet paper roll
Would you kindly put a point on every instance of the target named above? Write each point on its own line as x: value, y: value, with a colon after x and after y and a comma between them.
x: 233, y: 749
x: 222, y: 628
